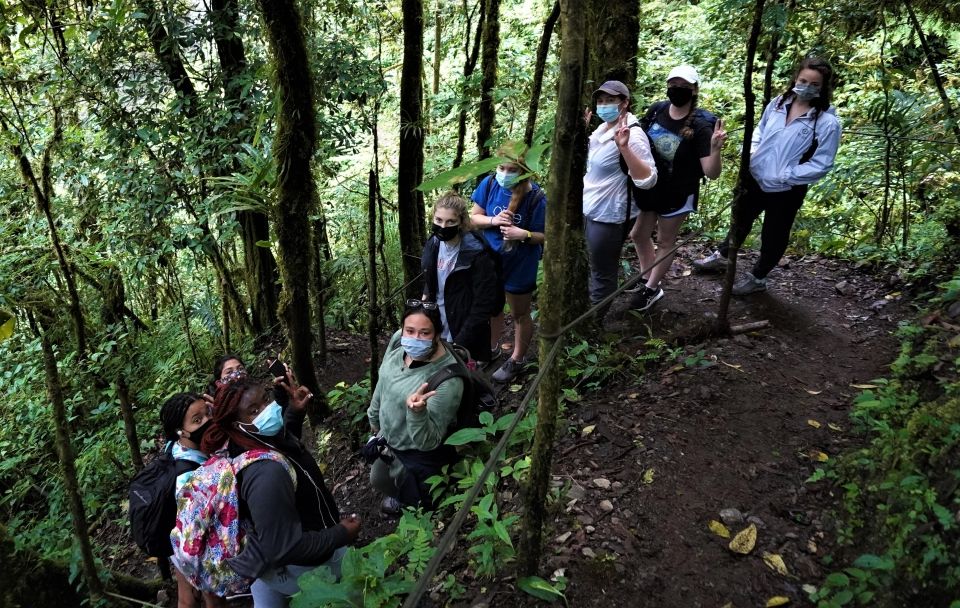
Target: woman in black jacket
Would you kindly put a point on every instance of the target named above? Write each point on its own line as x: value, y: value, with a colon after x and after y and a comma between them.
x: 294, y: 528
x: 460, y: 275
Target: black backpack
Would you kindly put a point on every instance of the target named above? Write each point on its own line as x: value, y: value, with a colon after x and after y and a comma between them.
x: 633, y: 192
x: 478, y: 394
x: 153, y: 509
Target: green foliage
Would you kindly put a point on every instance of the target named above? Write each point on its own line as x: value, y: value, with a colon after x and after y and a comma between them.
x: 493, y: 547
x: 541, y: 589
x: 901, y: 490
x: 376, y: 575
x: 351, y: 398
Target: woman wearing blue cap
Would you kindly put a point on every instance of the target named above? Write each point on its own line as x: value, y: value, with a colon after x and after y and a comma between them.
x: 607, y: 209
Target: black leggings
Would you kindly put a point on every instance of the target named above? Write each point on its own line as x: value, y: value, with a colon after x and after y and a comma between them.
x: 779, y: 210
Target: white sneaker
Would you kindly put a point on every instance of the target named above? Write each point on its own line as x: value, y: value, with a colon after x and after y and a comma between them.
x: 715, y: 262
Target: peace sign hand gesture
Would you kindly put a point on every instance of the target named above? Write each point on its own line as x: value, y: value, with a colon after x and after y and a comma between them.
x: 622, y: 133
x: 417, y: 401
x: 719, y: 136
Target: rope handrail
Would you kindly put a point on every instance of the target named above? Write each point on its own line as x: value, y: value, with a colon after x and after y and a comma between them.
x: 449, y: 536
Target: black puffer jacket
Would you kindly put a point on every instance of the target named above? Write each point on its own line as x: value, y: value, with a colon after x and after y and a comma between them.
x: 471, y: 293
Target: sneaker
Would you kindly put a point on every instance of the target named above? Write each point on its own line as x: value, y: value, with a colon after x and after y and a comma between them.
x: 510, y: 369
x: 644, y: 300
x: 636, y: 288
x: 495, y: 353
x: 715, y: 262
x: 749, y: 284
x: 391, y: 506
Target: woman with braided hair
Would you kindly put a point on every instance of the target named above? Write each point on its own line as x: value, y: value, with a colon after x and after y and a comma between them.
x: 185, y: 417
x: 294, y: 527
x: 687, y: 147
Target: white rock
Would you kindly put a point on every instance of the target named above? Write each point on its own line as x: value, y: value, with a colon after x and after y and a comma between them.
x: 603, y: 484
x: 606, y: 505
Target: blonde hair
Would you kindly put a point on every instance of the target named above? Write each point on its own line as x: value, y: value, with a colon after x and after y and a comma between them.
x: 456, y: 203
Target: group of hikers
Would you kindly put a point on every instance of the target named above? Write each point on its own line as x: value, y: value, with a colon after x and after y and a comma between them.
x: 642, y: 178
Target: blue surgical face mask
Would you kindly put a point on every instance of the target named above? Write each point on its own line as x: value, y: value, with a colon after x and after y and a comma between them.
x: 419, y: 349
x: 507, y: 179
x: 807, y: 92
x: 608, y: 112
x: 270, y: 420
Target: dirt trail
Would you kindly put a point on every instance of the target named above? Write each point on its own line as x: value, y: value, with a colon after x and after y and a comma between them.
x: 730, y: 431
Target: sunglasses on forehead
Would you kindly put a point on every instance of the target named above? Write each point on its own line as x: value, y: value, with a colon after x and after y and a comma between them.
x: 422, y: 304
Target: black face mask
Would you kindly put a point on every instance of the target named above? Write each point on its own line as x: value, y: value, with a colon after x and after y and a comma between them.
x: 679, y: 96
x: 445, y: 233
x: 196, y: 435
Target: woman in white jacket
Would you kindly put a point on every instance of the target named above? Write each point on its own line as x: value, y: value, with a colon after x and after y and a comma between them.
x: 794, y: 146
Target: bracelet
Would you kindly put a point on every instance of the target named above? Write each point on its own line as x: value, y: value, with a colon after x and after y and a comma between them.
x: 491, y: 221
x: 529, y: 237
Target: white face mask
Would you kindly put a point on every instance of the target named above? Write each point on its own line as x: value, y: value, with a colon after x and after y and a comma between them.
x: 806, y: 92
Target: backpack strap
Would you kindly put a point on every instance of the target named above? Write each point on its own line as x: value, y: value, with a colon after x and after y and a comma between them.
x: 814, y: 143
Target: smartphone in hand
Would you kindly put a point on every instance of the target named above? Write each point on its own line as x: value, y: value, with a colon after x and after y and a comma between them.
x: 278, y: 369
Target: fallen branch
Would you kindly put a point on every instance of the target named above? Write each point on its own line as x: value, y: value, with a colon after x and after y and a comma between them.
x: 748, y: 327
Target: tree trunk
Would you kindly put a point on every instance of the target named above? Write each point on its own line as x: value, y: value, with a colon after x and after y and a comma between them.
x: 437, y: 46
x: 488, y: 80
x: 469, y: 65
x: 565, y: 184
x: 749, y: 99
x: 167, y: 52
x: 129, y: 423
x: 373, y: 316
x: 613, y: 32
x: 934, y: 71
x: 42, y: 191
x: 410, y: 212
x: 67, y: 462
x: 542, y: 50
x: 261, y: 268
x: 293, y: 151
x: 321, y: 255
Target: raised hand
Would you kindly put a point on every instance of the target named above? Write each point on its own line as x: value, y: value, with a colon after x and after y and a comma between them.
x: 622, y: 133
x: 299, y: 395
x: 417, y: 401
x: 719, y: 136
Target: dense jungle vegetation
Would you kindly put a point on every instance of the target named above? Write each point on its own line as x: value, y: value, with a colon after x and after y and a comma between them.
x: 183, y: 179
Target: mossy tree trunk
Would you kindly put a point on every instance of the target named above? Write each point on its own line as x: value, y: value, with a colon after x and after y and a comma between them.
x: 67, y: 461
x: 260, y: 267
x: 565, y: 184
x: 749, y: 117
x: 542, y: 50
x: 613, y: 30
x: 410, y: 212
x: 296, y: 191
x: 488, y: 81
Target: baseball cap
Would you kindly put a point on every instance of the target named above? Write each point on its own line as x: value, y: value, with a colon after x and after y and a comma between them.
x: 613, y: 87
x: 686, y: 72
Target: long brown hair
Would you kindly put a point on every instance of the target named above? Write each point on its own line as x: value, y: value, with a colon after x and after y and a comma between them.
x: 817, y: 64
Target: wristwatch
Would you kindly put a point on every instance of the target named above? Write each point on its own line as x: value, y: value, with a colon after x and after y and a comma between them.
x: 529, y: 236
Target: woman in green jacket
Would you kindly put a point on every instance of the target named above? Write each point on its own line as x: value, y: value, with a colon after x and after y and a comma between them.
x: 408, y: 422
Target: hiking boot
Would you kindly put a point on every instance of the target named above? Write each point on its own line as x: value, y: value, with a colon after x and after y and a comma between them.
x: 715, y: 262
x: 391, y: 506
x: 644, y: 300
x: 749, y: 284
x: 510, y: 369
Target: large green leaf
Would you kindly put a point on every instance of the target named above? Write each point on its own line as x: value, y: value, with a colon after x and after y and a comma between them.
x: 7, y: 323
x: 539, y: 588
x: 458, y: 175
x: 465, y: 436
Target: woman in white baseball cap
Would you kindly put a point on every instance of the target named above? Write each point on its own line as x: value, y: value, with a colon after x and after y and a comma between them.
x: 686, y: 143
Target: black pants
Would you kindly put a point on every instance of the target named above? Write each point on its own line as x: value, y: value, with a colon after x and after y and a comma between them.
x: 779, y: 211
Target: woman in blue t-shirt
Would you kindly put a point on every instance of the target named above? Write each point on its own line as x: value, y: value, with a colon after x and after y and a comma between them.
x: 512, y: 214
x: 688, y: 147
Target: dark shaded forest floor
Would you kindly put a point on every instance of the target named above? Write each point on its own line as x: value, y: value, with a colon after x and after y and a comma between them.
x: 740, y: 426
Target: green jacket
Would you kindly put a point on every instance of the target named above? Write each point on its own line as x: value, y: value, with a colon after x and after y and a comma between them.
x: 403, y: 428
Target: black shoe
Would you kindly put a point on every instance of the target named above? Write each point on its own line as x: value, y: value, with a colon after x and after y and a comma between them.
x: 645, y: 299
x: 391, y: 506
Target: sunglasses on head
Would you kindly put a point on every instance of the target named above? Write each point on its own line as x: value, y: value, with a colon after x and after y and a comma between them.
x: 422, y: 304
